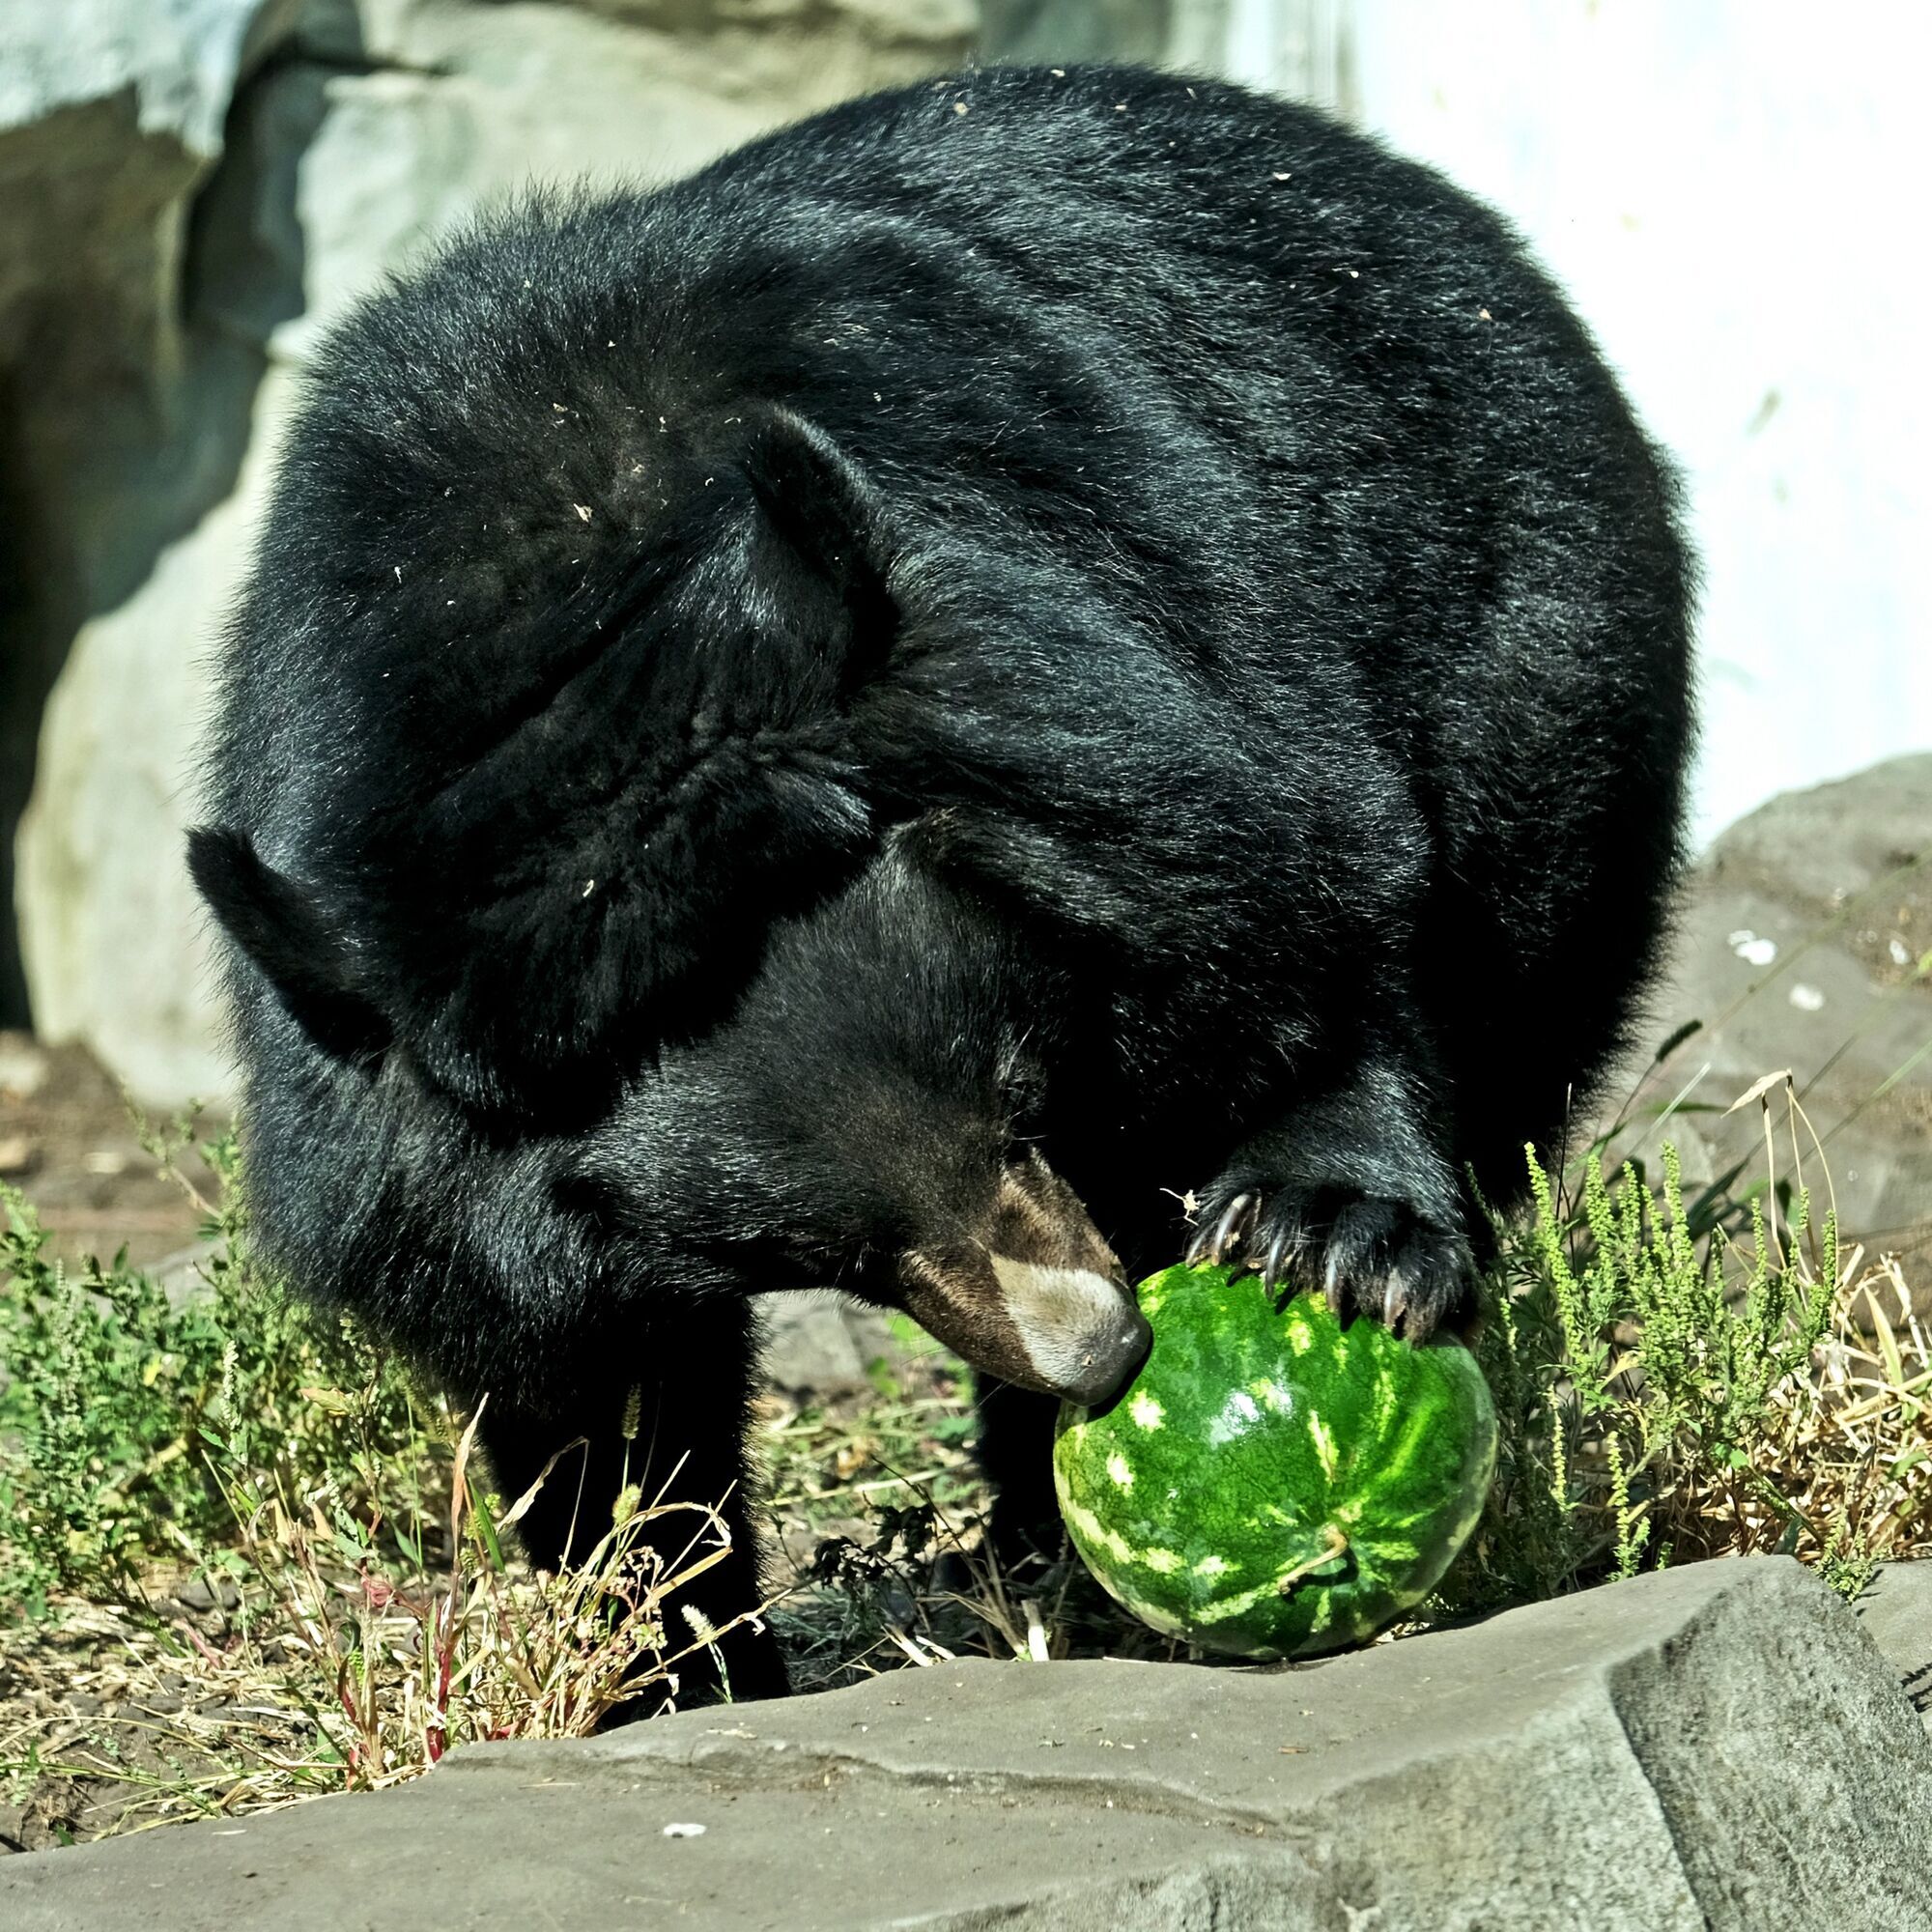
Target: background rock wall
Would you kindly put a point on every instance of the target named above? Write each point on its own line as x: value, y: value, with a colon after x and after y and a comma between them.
x: 111, y: 119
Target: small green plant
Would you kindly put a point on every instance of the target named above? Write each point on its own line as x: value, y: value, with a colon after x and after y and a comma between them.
x: 1676, y: 1382
x: 118, y: 1409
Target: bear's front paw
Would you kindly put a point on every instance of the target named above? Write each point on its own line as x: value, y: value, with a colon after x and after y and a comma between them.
x: 1384, y: 1258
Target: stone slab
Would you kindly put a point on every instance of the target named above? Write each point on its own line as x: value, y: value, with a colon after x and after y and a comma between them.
x: 1718, y: 1746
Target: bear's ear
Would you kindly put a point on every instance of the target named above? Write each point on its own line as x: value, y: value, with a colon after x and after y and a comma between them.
x: 818, y: 500
x: 278, y: 924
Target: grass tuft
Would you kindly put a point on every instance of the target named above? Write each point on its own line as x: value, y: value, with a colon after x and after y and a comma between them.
x: 1677, y: 1381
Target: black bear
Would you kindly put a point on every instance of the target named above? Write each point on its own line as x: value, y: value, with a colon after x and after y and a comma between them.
x: 878, y: 715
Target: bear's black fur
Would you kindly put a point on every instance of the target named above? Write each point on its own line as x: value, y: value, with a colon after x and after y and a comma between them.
x: 1035, y: 640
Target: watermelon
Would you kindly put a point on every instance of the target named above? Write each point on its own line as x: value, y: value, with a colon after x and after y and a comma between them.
x: 1273, y: 1483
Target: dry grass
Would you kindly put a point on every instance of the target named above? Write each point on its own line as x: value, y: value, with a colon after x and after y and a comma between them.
x: 1839, y: 1473
x: 1853, y: 1444
x: 1680, y: 1381
x: 319, y: 1666
x: 408, y: 1667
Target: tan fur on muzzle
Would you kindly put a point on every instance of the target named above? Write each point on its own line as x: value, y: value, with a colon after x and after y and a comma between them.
x: 1035, y: 1295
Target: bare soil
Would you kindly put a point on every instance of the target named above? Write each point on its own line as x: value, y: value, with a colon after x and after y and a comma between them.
x: 69, y: 1143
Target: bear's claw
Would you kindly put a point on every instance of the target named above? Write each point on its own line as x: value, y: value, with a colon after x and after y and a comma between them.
x: 1369, y: 1255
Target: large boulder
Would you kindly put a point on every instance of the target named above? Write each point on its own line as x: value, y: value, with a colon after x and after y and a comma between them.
x: 1717, y: 1748
x: 110, y: 114
x: 1805, y: 942
x: 111, y: 118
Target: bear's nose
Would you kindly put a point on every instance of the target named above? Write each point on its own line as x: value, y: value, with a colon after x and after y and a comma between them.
x: 1082, y: 1334
x: 1113, y: 1362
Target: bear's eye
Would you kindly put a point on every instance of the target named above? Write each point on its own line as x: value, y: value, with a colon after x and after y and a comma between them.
x: 587, y: 1199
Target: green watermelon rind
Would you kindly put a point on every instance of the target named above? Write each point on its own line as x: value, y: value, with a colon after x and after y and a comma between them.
x: 1256, y: 1439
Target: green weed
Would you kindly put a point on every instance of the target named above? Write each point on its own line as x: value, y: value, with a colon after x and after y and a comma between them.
x: 1681, y: 1380
x: 124, y: 1416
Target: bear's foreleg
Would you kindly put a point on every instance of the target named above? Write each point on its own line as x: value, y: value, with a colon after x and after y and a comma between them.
x: 1014, y: 1450
x: 1352, y: 1191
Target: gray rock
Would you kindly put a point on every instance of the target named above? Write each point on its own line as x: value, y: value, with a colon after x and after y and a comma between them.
x: 950, y: 23
x: 111, y: 116
x: 1799, y: 948
x: 178, y: 60
x: 181, y: 1276
x: 109, y: 113
x: 819, y: 1344
x: 1080, y: 30
x: 1719, y: 1747
x: 1896, y: 1612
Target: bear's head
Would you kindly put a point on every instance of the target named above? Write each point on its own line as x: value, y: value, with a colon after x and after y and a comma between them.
x: 867, y: 1119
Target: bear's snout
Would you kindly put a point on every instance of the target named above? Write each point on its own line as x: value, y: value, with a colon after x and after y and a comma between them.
x: 1068, y: 1331
x: 1030, y: 1292
x: 1083, y: 1335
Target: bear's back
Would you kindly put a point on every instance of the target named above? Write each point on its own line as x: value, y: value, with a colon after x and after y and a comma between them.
x: 1251, y: 504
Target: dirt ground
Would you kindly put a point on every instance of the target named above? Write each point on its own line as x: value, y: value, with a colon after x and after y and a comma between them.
x: 126, y: 1706
x: 68, y: 1142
